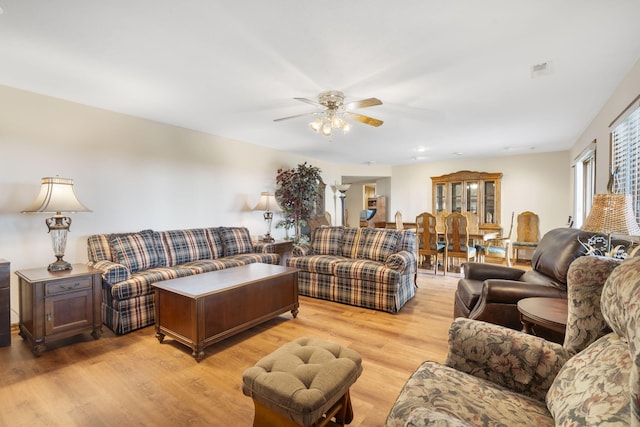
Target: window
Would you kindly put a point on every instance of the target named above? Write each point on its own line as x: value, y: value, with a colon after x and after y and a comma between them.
x: 625, y: 156
x: 584, y: 170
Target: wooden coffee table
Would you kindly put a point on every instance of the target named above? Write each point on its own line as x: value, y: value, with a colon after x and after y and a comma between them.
x: 202, y: 309
x: 549, y: 313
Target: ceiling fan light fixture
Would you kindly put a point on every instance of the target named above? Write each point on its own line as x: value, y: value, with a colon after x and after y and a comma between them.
x: 326, y: 128
x: 337, y: 122
x: 316, y: 125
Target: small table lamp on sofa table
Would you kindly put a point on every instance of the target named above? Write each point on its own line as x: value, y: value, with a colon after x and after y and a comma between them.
x: 57, y: 196
x: 269, y: 205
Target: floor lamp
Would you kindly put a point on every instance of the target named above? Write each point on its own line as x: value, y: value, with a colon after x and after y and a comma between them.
x: 343, y: 190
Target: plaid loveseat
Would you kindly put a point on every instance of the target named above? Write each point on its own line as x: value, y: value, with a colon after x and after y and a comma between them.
x: 132, y: 262
x: 367, y: 267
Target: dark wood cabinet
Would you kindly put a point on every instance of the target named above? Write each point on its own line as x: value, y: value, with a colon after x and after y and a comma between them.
x: 55, y: 305
x: 5, y: 304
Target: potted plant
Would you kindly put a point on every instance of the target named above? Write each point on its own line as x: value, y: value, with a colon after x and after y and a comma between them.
x: 296, y: 193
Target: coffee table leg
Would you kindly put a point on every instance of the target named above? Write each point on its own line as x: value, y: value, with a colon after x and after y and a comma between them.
x: 198, y: 352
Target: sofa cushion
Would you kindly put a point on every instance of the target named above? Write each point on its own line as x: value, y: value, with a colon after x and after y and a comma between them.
x: 182, y: 246
x: 324, y: 264
x: 441, y: 389
x: 235, y: 240
x: 326, y: 240
x: 136, y: 251
x: 98, y: 248
x: 215, y: 243
x: 376, y: 244
x: 350, y: 239
x: 592, y: 388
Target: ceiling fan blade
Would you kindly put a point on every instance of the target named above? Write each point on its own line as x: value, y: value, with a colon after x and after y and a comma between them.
x: 309, y: 101
x: 369, y: 102
x: 364, y: 119
x: 296, y: 116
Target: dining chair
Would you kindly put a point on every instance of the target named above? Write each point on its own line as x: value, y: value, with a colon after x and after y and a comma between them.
x: 399, y: 225
x: 428, y: 245
x: 527, y: 234
x: 498, y: 249
x: 457, y: 240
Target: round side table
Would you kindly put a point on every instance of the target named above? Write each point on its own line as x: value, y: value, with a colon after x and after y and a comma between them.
x: 549, y: 313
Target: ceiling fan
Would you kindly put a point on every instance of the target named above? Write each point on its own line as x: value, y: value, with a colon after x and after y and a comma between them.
x: 333, y: 112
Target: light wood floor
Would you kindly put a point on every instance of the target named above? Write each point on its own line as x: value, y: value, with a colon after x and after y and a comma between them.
x: 134, y: 380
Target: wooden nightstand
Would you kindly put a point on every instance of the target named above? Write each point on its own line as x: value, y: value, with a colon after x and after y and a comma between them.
x: 283, y: 248
x: 55, y: 305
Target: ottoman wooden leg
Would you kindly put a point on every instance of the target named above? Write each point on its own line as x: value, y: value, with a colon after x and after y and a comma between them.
x: 265, y: 417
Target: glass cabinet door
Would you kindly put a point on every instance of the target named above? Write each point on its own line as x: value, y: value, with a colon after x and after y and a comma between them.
x: 456, y: 197
x: 441, y: 198
x: 490, y: 202
x: 471, y: 193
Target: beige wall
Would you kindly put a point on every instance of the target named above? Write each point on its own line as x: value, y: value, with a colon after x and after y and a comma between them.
x: 598, y: 130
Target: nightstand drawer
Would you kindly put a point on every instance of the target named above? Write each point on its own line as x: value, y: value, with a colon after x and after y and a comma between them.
x: 72, y: 285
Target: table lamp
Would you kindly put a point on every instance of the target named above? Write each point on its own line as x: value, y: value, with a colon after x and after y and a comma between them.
x: 269, y: 205
x: 612, y: 214
x: 57, y: 196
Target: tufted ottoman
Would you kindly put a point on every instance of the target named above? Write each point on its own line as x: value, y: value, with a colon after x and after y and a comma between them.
x: 305, y: 382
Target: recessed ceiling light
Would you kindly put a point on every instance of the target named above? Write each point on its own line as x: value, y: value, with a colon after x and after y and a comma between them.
x: 457, y: 153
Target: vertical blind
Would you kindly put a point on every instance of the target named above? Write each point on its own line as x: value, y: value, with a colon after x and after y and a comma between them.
x: 625, y: 155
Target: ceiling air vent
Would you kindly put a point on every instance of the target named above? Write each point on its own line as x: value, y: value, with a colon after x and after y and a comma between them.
x: 541, y: 69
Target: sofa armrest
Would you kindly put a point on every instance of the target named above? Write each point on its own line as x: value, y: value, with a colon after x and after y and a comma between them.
x: 111, y: 272
x: 524, y: 363
x: 496, y: 291
x: 402, y: 262
x: 302, y: 250
x: 264, y: 247
x: 481, y: 271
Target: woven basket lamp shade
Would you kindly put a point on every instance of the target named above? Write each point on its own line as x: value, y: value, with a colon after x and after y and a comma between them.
x: 612, y: 214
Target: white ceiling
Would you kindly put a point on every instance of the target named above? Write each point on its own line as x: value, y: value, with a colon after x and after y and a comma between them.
x: 454, y: 76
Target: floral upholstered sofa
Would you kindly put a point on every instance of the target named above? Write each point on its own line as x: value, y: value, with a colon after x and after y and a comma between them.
x: 498, y: 376
x: 368, y: 267
x: 132, y: 262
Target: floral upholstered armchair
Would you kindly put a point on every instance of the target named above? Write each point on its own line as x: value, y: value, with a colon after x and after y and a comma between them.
x: 498, y: 376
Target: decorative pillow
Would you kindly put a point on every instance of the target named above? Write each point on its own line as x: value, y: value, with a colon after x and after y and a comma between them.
x: 326, y: 240
x: 181, y: 246
x: 235, y: 240
x: 136, y: 251
x: 376, y: 244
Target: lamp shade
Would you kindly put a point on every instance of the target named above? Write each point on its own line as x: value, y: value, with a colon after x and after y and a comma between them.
x: 56, y: 195
x: 612, y: 214
x: 267, y: 203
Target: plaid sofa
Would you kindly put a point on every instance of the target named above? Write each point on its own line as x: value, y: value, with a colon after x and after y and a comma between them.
x: 132, y: 262
x: 367, y: 267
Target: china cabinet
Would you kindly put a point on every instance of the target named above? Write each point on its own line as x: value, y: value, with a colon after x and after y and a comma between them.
x: 467, y: 191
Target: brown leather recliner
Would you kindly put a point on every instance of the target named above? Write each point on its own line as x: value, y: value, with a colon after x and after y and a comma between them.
x: 491, y: 292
